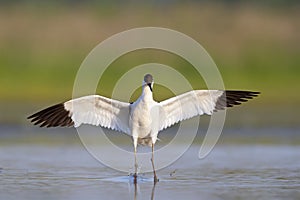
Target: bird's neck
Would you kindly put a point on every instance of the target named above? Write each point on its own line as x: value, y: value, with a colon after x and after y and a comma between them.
x: 147, y: 94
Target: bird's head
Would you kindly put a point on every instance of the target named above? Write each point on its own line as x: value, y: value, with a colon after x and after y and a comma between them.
x: 148, y: 81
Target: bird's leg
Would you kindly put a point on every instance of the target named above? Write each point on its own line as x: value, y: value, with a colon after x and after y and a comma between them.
x: 152, y: 160
x: 135, y: 160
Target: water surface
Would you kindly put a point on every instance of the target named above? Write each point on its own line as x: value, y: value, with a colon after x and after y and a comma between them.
x: 68, y: 171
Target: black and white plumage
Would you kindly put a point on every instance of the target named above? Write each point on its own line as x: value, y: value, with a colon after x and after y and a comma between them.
x: 142, y: 119
x: 108, y: 113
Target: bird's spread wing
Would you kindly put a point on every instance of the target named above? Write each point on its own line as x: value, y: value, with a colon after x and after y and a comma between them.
x: 93, y: 109
x: 199, y: 102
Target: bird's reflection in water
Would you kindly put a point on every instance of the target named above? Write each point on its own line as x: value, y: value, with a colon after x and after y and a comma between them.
x: 153, y: 190
x: 134, y: 188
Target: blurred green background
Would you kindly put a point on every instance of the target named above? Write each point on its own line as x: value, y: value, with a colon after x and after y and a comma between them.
x: 255, y: 45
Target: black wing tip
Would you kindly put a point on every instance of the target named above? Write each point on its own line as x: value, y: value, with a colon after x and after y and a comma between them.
x: 242, y: 92
x: 52, y: 116
x: 231, y: 98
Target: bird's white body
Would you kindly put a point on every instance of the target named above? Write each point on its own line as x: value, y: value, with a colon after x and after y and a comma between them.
x: 142, y: 119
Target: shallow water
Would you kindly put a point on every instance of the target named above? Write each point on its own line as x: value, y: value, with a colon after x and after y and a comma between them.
x: 229, y: 172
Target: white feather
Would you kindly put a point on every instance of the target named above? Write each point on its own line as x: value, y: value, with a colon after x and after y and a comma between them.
x: 187, y: 105
x: 100, y: 111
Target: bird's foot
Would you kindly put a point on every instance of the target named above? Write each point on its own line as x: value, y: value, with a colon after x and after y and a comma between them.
x: 155, y: 179
x: 135, y: 176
